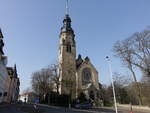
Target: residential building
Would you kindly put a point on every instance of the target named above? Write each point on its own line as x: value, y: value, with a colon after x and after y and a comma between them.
x: 29, y: 97
x: 14, y: 84
x: 9, y: 81
x: 3, y: 72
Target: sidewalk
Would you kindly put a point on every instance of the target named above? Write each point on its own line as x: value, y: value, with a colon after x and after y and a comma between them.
x: 4, y: 104
x: 66, y: 109
x: 127, y: 106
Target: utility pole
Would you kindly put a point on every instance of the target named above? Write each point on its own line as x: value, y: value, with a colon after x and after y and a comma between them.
x: 112, y: 81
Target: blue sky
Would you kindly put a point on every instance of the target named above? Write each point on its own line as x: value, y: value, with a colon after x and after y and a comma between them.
x: 31, y: 31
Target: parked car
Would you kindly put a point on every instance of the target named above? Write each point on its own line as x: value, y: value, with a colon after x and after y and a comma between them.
x: 86, y: 105
x: 19, y: 102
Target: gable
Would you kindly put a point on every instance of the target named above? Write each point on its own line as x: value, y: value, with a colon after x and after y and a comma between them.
x: 86, y: 73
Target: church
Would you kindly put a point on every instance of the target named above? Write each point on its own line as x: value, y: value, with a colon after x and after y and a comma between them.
x: 76, y: 75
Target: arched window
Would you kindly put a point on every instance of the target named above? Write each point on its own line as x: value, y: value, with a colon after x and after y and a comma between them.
x: 68, y: 48
x: 86, y: 76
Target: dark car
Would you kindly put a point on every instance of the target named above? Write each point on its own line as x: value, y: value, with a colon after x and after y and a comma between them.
x: 83, y: 106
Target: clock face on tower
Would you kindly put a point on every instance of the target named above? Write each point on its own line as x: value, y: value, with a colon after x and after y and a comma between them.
x: 86, y: 76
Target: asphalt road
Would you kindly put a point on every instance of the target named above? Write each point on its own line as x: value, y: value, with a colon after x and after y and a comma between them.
x: 50, y: 109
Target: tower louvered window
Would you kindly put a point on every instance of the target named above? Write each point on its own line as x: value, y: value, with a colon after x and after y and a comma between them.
x: 68, y: 49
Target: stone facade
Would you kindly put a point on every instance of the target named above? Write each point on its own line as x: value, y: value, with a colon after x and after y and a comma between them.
x: 87, y: 75
x: 67, y: 59
x: 76, y: 75
x: 14, y: 84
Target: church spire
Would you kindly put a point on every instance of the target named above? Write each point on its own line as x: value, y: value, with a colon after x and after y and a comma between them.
x: 67, y: 8
x: 67, y: 21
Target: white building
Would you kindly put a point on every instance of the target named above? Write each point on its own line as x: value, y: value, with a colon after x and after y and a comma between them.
x: 9, y: 81
x: 3, y: 73
x: 29, y: 97
x: 3, y: 79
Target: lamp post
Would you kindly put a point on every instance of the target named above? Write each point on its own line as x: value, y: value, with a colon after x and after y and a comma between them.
x: 110, y: 71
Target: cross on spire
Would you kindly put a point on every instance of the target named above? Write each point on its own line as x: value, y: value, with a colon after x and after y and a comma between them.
x: 67, y: 8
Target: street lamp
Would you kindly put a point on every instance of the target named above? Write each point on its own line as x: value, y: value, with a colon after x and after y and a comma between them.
x: 110, y: 71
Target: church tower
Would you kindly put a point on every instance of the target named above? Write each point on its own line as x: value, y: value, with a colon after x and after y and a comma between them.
x: 67, y: 58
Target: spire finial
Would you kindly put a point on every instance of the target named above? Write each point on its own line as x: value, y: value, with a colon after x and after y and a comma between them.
x: 15, y: 67
x: 67, y: 8
x: 15, y: 70
x: 1, y: 34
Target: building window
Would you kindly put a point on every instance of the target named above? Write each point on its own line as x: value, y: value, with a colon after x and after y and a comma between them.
x: 86, y: 76
x: 0, y: 94
x: 5, y: 94
x: 68, y: 49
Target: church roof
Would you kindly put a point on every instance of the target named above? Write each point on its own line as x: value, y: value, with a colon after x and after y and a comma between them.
x: 80, y: 61
x: 12, y: 71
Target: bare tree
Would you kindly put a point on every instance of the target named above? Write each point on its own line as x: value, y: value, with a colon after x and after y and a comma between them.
x: 121, y: 83
x: 45, y: 81
x: 121, y: 80
x: 42, y: 82
x: 124, y: 52
x: 135, y: 52
x: 27, y: 90
x: 56, y: 81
